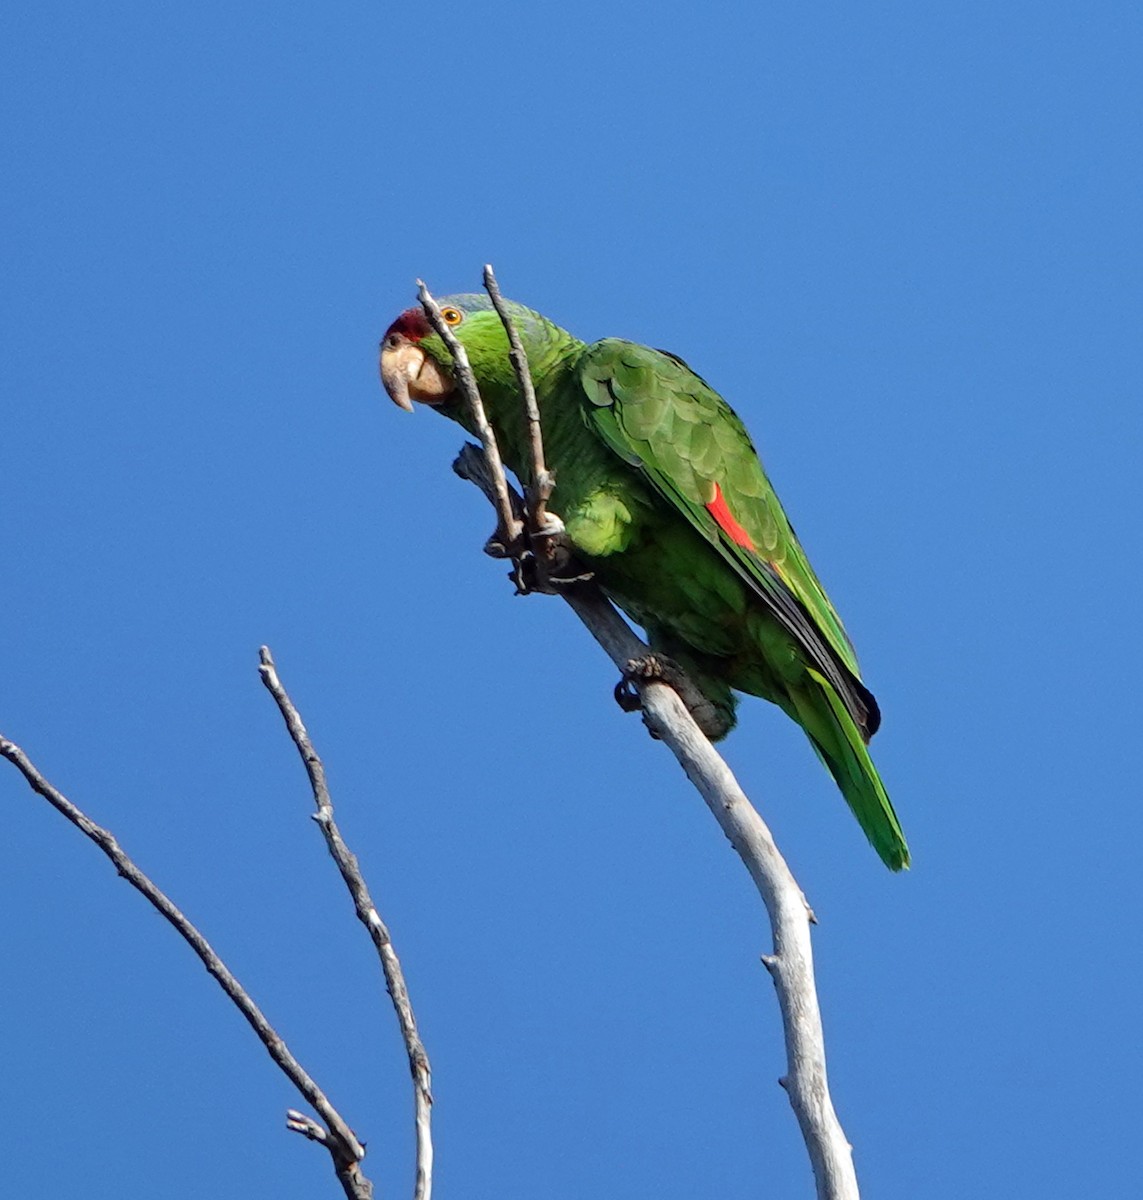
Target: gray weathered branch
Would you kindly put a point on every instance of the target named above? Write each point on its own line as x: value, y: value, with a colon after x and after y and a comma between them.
x: 368, y: 915
x: 791, y: 964
x: 510, y: 526
x: 341, y: 1142
x: 538, y: 495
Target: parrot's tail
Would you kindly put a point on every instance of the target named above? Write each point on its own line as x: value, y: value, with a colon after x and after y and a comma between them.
x: 841, y: 747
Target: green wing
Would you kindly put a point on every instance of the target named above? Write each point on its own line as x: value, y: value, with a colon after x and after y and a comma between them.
x: 653, y: 411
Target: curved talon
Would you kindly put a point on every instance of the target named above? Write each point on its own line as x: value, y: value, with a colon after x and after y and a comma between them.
x: 642, y: 670
x: 626, y: 696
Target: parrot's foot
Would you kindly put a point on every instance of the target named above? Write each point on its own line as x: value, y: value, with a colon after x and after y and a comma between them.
x: 658, y: 668
x: 543, y: 559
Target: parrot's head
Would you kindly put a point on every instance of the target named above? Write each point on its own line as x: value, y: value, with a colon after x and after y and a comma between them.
x: 416, y: 364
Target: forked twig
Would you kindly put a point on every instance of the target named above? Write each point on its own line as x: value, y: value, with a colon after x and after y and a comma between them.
x: 540, y: 491
x: 368, y: 915
x: 510, y: 526
x: 341, y: 1142
x: 791, y: 964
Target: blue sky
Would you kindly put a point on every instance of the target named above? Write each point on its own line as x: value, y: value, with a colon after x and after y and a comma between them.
x: 904, y: 242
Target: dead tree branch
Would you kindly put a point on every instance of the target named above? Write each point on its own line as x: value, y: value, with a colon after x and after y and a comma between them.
x: 368, y: 915
x: 341, y: 1142
x: 538, y: 495
x: 510, y: 526
x: 791, y: 964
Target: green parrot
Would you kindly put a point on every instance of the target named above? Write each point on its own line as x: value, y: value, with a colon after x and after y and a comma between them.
x: 664, y: 498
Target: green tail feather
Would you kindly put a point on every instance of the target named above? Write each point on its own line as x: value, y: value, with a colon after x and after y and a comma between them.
x: 840, y: 746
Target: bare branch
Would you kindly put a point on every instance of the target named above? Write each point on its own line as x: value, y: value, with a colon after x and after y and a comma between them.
x: 298, y: 1122
x: 341, y: 1142
x: 791, y: 964
x: 542, y: 480
x: 510, y: 526
x: 368, y: 915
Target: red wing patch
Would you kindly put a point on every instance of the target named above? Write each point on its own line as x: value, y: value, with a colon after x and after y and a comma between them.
x: 717, y: 509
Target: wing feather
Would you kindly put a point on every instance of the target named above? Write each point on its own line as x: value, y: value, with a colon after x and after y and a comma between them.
x: 654, y: 412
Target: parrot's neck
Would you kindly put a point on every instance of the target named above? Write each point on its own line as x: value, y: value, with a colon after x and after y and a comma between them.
x: 552, y: 353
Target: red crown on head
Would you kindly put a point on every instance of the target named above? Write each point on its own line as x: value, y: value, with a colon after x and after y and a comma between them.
x: 412, y: 323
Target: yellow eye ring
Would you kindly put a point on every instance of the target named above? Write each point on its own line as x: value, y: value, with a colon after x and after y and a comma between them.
x: 452, y: 316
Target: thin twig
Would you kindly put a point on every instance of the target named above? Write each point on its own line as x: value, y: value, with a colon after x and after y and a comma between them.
x: 542, y: 479
x: 368, y: 915
x: 343, y: 1146
x: 791, y: 964
x: 510, y: 527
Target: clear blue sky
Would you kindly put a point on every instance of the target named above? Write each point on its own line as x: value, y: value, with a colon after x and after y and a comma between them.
x: 904, y: 242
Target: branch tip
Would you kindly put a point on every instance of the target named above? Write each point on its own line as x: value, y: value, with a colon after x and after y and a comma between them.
x: 298, y: 1122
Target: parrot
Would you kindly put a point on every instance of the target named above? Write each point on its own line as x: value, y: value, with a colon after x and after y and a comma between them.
x: 664, y: 499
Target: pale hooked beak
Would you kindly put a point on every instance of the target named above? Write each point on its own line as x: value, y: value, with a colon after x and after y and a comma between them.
x: 408, y: 373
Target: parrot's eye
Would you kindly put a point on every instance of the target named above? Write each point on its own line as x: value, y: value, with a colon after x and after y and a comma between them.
x: 452, y: 316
